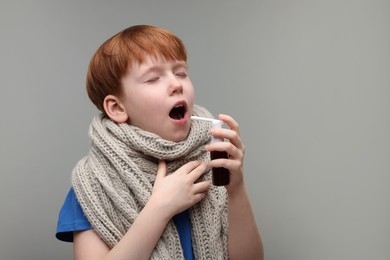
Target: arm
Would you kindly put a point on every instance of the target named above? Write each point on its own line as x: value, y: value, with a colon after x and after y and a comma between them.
x: 171, y: 194
x: 244, y: 241
x: 137, y: 243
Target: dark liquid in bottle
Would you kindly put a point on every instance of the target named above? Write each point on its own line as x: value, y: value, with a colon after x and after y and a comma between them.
x: 221, y: 176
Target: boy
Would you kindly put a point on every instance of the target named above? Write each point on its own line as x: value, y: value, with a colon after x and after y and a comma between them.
x: 144, y: 190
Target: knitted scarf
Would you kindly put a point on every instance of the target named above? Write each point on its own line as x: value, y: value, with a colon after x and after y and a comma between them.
x: 114, y: 182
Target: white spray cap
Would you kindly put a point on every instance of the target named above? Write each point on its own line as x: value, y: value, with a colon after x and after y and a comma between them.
x: 217, y: 123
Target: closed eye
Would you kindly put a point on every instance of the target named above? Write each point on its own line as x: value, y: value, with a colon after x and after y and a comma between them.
x: 151, y: 80
x: 181, y: 74
x: 180, y: 70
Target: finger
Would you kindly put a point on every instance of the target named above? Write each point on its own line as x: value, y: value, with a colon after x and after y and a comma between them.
x: 231, y: 165
x: 229, y: 121
x: 230, y: 134
x: 198, y: 197
x: 161, y: 170
x: 188, y: 167
x: 201, y: 187
x: 233, y: 151
x: 197, y: 172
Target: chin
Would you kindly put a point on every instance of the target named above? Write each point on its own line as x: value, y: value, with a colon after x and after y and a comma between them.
x: 178, y: 136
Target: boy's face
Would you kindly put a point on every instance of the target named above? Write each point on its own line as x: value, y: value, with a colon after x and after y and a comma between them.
x: 158, y: 97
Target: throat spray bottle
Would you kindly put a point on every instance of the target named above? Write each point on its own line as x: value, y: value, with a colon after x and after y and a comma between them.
x: 220, y: 175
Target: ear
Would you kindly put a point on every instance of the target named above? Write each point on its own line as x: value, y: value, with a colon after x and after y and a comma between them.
x: 114, y: 109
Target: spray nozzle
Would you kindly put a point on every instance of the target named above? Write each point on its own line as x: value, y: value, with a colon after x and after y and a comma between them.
x: 215, y: 122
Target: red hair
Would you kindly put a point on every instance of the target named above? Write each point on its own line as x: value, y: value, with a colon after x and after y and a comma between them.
x: 115, y: 56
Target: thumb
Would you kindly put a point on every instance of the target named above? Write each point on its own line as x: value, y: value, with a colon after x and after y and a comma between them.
x: 161, y: 170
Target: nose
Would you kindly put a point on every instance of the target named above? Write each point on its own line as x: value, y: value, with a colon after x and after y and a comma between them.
x: 175, y: 86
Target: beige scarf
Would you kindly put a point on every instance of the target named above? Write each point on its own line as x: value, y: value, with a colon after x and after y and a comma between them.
x: 114, y: 182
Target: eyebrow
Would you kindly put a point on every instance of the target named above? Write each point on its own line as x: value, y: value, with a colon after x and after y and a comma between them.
x: 157, y: 68
x: 181, y: 64
x: 153, y: 68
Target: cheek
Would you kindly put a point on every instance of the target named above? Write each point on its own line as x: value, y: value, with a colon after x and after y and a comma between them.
x: 191, y: 95
x: 149, y: 105
x: 152, y: 103
x: 144, y: 99
x: 190, y: 89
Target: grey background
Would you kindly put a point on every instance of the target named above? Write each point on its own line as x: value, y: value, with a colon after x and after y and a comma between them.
x: 308, y: 81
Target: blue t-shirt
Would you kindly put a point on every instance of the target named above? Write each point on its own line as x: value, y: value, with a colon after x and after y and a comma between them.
x: 71, y: 218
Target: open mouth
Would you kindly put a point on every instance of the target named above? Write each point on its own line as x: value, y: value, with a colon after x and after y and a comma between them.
x: 178, y: 112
